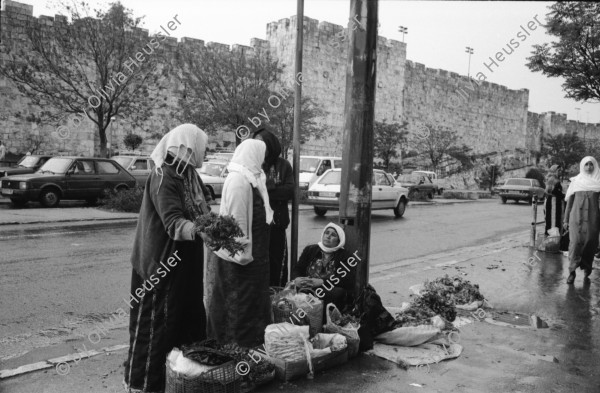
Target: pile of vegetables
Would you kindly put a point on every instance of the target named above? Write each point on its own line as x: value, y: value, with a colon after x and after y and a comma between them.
x: 438, y: 297
x: 457, y: 289
x: 221, y: 232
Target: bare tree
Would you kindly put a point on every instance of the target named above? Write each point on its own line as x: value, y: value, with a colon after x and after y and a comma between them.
x: 100, y: 66
x: 386, y: 139
x: 438, y: 142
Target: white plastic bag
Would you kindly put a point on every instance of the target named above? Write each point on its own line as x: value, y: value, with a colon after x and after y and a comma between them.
x: 554, y: 231
x: 182, y: 365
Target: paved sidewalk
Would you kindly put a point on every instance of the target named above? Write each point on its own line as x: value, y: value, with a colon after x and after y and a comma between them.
x: 495, y: 359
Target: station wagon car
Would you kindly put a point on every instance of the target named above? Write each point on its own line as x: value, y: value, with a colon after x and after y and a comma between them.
x: 387, y: 194
x: 71, y: 178
x: 519, y: 189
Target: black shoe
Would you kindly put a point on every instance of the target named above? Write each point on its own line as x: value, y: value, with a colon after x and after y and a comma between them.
x: 571, y: 278
x: 587, y: 274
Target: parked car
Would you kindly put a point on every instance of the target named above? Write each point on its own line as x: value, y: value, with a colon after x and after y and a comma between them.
x: 324, y: 194
x: 213, y: 174
x: 67, y: 178
x: 139, y: 166
x: 311, y: 167
x: 519, y: 189
x: 222, y: 156
x: 437, y: 182
x: 418, y: 183
x: 27, y: 164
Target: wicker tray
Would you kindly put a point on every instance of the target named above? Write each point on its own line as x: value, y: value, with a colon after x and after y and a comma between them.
x: 286, y: 371
x: 221, y: 379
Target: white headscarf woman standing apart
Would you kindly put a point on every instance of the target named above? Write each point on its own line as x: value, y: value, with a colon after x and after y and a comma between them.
x: 167, y: 278
x: 582, y: 217
x: 239, y: 306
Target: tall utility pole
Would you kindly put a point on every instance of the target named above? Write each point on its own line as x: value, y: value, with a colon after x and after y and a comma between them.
x: 357, y: 167
x: 403, y: 30
x: 470, y: 52
x: 296, y: 139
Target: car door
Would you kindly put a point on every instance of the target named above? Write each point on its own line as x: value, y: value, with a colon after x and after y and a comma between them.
x: 386, y: 196
x: 140, y: 170
x: 82, y: 180
x: 109, y: 174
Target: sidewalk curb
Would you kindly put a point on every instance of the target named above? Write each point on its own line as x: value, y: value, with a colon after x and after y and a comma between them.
x: 57, y: 362
x: 69, y: 220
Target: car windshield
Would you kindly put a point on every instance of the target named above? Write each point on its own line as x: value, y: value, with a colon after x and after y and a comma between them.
x: 331, y: 177
x: 308, y: 164
x: 211, y: 169
x: 28, y: 161
x: 123, y: 161
x: 56, y: 165
x: 518, y: 182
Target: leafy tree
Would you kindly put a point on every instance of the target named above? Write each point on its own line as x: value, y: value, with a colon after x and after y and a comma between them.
x: 563, y: 149
x: 438, y: 142
x: 386, y: 139
x: 575, y: 54
x: 132, y: 141
x: 534, y: 173
x: 490, y: 175
x: 89, y: 66
x: 241, y: 91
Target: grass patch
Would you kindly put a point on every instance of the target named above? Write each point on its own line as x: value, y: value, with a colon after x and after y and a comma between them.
x: 129, y: 201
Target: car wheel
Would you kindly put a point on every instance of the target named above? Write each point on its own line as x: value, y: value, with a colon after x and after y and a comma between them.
x: 92, y: 201
x: 400, y: 208
x: 18, y: 202
x: 319, y: 211
x: 503, y: 200
x: 529, y: 201
x: 440, y: 191
x: 121, y: 188
x: 430, y: 195
x: 49, y: 198
x: 516, y: 201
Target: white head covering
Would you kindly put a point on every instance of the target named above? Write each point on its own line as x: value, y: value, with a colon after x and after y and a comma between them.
x: 585, y: 181
x: 247, y: 160
x: 341, y: 235
x: 187, y: 143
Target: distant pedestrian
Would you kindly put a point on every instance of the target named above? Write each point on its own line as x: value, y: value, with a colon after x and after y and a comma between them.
x: 554, y: 199
x: 280, y: 185
x: 582, y: 217
x: 167, y: 279
x: 2, y: 151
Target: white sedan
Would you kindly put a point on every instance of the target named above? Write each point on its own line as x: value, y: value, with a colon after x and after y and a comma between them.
x: 324, y: 194
x: 213, y: 174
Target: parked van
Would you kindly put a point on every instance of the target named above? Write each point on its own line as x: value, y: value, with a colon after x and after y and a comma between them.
x: 439, y: 183
x: 311, y: 167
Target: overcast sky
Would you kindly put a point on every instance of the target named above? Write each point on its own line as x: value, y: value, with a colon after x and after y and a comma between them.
x: 438, y: 33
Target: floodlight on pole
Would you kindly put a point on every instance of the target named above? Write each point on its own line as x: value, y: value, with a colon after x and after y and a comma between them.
x: 577, y: 109
x: 470, y: 52
x: 403, y: 30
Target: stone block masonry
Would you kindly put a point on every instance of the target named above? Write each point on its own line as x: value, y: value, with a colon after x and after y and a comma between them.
x: 488, y: 117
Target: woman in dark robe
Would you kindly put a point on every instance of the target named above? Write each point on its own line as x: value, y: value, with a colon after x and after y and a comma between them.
x: 280, y: 185
x: 582, y: 217
x: 327, y: 269
x: 166, y: 298
x: 554, y: 199
x: 239, y: 304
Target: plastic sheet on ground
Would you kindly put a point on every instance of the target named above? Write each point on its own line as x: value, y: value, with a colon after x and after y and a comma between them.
x: 422, y: 354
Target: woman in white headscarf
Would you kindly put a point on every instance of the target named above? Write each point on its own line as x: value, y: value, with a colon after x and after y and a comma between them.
x: 166, y: 297
x: 327, y: 269
x: 582, y: 217
x: 239, y: 303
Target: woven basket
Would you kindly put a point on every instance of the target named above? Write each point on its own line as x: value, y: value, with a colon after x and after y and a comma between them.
x: 221, y: 379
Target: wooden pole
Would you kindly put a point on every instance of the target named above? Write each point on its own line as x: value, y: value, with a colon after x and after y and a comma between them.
x: 357, y: 167
x: 296, y: 141
x: 534, y: 222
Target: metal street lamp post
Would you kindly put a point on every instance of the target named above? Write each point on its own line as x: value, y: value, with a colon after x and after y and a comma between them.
x: 470, y: 52
x: 403, y: 30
